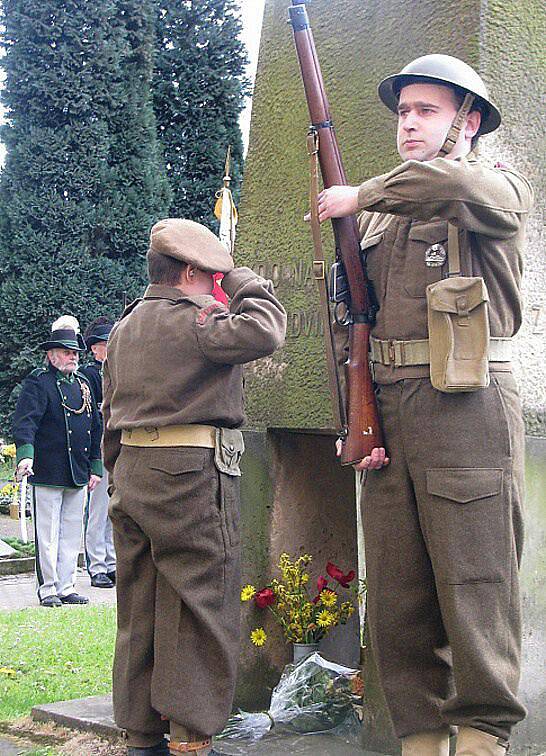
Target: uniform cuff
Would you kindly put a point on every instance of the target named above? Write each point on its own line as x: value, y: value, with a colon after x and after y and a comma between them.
x: 236, y: 278
x: 26, y: 451
x: 97, y: 468
x: 371, y: 192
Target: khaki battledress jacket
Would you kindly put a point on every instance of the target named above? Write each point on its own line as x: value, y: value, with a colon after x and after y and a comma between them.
x: 443, y: 521
x: 177, y: 360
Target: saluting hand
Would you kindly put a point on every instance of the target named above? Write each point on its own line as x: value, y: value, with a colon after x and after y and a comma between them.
x: 377, y: 459
x: 94, y: 481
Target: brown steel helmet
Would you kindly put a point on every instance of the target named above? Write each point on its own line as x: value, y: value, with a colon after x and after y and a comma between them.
x: 447, y: 70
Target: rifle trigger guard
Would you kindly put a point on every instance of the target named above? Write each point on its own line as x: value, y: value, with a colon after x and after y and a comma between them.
x: 342, y: 320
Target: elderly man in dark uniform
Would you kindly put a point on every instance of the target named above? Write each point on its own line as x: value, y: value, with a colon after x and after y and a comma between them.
x: 57, y: 432
x: 99, y: 542
x: 172, y: 449
x: 443, y: 236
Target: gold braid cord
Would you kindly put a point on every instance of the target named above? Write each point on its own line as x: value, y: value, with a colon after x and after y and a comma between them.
x: 86, y: 399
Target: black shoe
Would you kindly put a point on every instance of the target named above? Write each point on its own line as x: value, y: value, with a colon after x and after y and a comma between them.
x: 112, y: 576
x: 51, y: 601
x: 160, y: 749
x: 101, y: 580
x: 74, y: 598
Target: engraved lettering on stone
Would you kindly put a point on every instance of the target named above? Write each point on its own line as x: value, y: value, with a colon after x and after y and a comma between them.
x: 302, y: 323
x: 435, y: 256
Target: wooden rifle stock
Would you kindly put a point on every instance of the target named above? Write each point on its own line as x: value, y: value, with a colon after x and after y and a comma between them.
x: 363, y: 431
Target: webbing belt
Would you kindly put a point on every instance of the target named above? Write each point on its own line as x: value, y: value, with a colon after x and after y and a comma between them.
x: 171, y: 435
x: 416, y: 352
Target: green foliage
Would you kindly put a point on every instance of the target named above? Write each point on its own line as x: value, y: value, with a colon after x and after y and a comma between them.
x: 23, y: 549
x: 198, y: 89
x: 83, y: 181
x: 54, y: 655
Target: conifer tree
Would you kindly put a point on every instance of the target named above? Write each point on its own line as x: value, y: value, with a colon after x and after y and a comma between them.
x: 82, y: 183
x: 199, y: 88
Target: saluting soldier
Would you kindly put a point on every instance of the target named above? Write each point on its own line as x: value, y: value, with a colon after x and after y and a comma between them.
x: 172, y: 449
x: 57, y: 432
x: 443, y: 520
x: 99, y: 540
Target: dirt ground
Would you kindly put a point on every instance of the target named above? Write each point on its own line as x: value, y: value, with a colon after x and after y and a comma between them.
x: 27, y: 734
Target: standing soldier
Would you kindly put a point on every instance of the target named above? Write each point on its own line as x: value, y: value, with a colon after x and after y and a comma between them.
x: 57, y: 432
x: 443, y: 521
x: 99, y: 542
x: 172, y: 449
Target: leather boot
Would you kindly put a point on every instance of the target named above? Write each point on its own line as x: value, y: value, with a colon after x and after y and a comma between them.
x: 473, y: 742
x: 434, y: 743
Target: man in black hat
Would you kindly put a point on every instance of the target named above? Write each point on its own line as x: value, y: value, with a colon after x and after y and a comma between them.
x: 57, y: 433
x: 99, y: 541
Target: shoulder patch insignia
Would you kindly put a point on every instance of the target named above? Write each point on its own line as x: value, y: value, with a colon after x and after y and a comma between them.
x: 205, y: 312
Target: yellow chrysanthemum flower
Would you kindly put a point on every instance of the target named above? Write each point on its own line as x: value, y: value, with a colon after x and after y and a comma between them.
x: 325, y: 618
x: 9, y: 451
x: 258, y: 636
x: 328, y: 598
x: 248, y: 592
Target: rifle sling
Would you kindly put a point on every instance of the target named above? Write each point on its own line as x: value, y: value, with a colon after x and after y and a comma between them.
x: 321, y: 277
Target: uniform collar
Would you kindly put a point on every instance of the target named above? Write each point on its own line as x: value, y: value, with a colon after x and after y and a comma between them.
x: 158, y: 291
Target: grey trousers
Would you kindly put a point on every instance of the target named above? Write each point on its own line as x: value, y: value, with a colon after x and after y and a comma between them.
x: 58, y: 521
x: 99, y: 540
x: 443, y: 536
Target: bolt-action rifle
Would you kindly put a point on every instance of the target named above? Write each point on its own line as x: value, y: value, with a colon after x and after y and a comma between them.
x: 360, y: 420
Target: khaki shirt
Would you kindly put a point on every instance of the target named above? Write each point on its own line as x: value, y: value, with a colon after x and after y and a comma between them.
x: 406, y: 212
x: 174, y: 359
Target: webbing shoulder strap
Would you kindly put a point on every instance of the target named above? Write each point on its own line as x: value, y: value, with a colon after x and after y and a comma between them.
x: 453, y: 252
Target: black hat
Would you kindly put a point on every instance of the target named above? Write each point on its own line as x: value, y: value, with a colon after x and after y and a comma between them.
x: 65, y: 334
x: 64, y: 338
x: 97, y: 333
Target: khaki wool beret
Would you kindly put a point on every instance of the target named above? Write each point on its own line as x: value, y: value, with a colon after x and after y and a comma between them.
x: 191, y: 243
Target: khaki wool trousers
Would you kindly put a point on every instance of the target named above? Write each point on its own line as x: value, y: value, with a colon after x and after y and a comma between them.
x: 443, y: 538
x: 175, y: 520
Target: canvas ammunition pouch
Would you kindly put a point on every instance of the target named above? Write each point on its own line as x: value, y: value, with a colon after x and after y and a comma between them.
x: 458, y: 327
x: 228, y: 450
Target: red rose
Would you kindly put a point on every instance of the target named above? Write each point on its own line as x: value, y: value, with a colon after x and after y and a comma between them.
x: 322, y: 583
x: 338, y: 575
x: 264, y: 598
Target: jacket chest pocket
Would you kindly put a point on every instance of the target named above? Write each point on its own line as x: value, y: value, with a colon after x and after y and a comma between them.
x: 426, y: 257
x: 374, y: 260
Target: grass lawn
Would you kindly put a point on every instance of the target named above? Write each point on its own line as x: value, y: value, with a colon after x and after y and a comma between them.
x: 51, y: 655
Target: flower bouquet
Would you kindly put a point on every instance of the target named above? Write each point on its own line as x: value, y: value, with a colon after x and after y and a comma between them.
x: 304, y: 618
x: 314, y: 696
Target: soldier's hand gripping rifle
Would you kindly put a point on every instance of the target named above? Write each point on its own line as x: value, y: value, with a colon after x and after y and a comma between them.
x: 361, y: 431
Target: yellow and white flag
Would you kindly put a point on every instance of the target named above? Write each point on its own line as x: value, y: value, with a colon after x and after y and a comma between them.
x: 225, y: 210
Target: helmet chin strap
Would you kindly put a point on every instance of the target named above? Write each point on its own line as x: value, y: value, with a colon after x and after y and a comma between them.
x: 456, y: 126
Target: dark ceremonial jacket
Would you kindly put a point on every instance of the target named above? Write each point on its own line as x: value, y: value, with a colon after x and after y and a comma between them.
x: 93, y: 373
x: 64, y: 445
